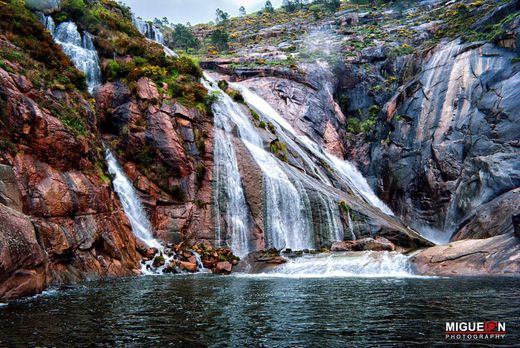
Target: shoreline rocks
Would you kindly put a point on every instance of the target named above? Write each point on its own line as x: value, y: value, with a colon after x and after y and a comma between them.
x: 496, y: 256
x: 364, y: 244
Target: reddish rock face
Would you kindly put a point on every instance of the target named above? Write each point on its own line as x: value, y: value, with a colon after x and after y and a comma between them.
x: 43, y: 134
x: 492, y: 256
x: 51, y: 188
x: 223, y: 267
x: 22, y: 261
x: 188, y: 266
x: 147, y: 90
x: 164, y: 137
x: 176, y: 185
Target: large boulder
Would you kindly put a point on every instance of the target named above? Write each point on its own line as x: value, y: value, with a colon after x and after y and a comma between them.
x: 23, y: 263
x: 492, y: 256
x: 223, y: 267
x: 493, y: 218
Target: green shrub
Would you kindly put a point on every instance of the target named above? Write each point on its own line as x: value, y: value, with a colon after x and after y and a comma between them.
x: 262, y: 125
x: 353, y: 125
x: 255, y: 115
x: 344, y: 207
x: 187, y: 66
x: 271, y: 127
x: 75, y: 124
x: 212, y: 97
x: 223, y: 85
x: 369, y: 124
x: 7, y: 146
x: 235, y: 95
x: 200, y: 174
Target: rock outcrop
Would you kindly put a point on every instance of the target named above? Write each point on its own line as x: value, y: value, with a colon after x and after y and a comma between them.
x: 453, y: 140
x: 61, y: 222
x: 306, y: 104
x: 377, y: 244
x: 167, y: 151
x: 498, y: 255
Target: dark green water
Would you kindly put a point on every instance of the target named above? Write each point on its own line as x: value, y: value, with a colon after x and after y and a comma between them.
x: 217, y: 311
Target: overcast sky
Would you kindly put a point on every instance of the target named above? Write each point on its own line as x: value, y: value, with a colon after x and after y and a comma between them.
x: 193, y: 11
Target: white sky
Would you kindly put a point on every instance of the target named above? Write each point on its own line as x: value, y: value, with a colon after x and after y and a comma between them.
x: 193, y: 11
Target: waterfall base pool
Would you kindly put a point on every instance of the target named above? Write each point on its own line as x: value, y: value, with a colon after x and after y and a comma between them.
x: 218, y: 311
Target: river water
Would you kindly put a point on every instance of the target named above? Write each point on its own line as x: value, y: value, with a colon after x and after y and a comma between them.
x: 219, y: 311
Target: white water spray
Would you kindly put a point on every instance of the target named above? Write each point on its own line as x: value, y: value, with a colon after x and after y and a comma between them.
x: 80, y: 50
x: 344, y: 169
x: 360, y: 264
x: 132, y: 206
x: 288, y: 223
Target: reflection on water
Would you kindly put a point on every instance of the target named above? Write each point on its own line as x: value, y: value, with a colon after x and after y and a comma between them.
x: 206, y: 310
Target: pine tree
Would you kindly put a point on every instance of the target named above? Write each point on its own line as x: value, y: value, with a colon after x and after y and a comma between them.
x: 268, y: 6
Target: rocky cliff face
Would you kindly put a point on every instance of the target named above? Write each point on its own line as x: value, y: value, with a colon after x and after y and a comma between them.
x: 166, y: 150
x: 452, y: 141
x: 442, y: 151
x: 60, y: 220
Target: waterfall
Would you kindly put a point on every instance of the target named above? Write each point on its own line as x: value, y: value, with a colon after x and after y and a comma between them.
x: 148, y: 29
x: 151, y: 32
x: 47, y: 21
x: 288, y: 219
x: 346, y: 171
x: 79, y: 49
x: 141, y: 25
x: 132, y: 206
x: 365, y: 264
x: 351, y: 225
x: 230, y: 196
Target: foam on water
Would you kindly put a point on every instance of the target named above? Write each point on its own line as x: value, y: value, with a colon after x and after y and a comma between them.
x: 368, y: 264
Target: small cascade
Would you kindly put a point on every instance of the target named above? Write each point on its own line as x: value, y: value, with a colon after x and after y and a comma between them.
x: 365, y: 264
x: 132, y: 206
x: 229, y: 195
x: 80, y: 50
x: 141, y: 226
x: 351, y: 225
x: 47, y: 21
x: 141, y: 25
x: 157, y: 35
x: 151, y: 32
x: 334, y: 220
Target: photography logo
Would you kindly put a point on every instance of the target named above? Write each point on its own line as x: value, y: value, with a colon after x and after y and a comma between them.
x: 485, y: 330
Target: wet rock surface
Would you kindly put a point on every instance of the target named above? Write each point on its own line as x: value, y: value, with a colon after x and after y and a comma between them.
x: 61, y: 222
x: 453, y: 143
x: 364, y: 244
x: 473, y: 257
x: 166, y: 150
x: 189, y: 258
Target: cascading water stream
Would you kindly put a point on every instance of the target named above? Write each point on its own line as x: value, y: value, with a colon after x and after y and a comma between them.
x: 79, y: 49
x: 344, y: 169
x: 141, y: 226
x: 151, y: 32
x: 365, y: 264
x: 287, y: 215
x: 132, y: 206
x: 351, y: 226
